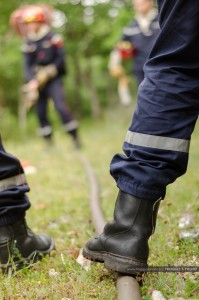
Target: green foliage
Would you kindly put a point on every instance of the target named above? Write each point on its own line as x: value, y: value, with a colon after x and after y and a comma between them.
x: 10, y: 74
x: 8, y: 125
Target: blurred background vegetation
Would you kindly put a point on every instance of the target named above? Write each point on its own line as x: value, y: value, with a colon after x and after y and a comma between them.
x: 90, y: 29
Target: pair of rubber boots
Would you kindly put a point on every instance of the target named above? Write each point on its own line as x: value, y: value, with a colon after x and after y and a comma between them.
x: 75, y: 138
x: 123, y: 244
x: 20, y: 247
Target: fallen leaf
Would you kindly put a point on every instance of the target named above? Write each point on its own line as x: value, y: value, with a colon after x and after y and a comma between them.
x: 81, y: 260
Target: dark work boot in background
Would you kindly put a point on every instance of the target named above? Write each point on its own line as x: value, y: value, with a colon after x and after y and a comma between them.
x: 75, y: 137
x: 19, y: 246
x: 123, y: 245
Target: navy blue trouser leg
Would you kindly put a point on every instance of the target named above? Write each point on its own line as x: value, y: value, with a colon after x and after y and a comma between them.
x: 54, y: 90
x: 157, y: 143
x: 13, y: 188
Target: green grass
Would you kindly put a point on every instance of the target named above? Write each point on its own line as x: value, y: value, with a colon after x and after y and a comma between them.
x: 60, y: 196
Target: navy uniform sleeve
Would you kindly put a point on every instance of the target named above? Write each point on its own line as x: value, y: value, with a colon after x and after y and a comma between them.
x: 28, y: 51
x: 60, y: 57
x: 129, y: 32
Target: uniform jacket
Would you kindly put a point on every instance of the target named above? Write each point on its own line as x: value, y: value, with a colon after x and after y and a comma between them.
x: 43, y: 49
x: 142, y: 33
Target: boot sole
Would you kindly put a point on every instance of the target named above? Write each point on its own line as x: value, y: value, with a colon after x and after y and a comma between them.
x: 34, y: 257
x: 116, y: 262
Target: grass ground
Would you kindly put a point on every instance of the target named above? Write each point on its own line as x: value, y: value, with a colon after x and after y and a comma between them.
x: 59, y: 196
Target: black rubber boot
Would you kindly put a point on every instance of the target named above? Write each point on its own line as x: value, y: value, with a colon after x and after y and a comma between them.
x: 123, y: 245
x: 19, y: 246
x: 75, y: 137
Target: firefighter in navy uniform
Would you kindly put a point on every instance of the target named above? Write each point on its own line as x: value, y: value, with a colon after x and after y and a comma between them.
x: 142, y: 33
x: 156, y: 147
x: 44, y: 60
x: 18, y: 244
x: 136, y: 41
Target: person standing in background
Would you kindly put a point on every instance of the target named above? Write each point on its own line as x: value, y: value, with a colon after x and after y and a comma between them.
x: 134, y: 46
x: 44, y: 66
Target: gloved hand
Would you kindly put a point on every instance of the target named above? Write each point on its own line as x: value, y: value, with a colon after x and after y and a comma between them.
x: 45, y: 73
x: 117, y: 71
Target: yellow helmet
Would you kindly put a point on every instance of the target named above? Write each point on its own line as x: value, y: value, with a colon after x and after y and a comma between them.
x: 34, y: 14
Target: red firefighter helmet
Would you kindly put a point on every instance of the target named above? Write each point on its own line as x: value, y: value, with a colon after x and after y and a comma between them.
x: 126, y: 49
x: 42, y: 13
x: 34, y: 14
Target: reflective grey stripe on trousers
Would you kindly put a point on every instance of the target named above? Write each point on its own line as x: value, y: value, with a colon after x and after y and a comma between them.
x: 12, y: 182
x: 157, y: 142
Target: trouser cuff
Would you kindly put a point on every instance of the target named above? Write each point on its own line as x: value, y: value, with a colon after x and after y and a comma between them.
x: 11, y: 218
